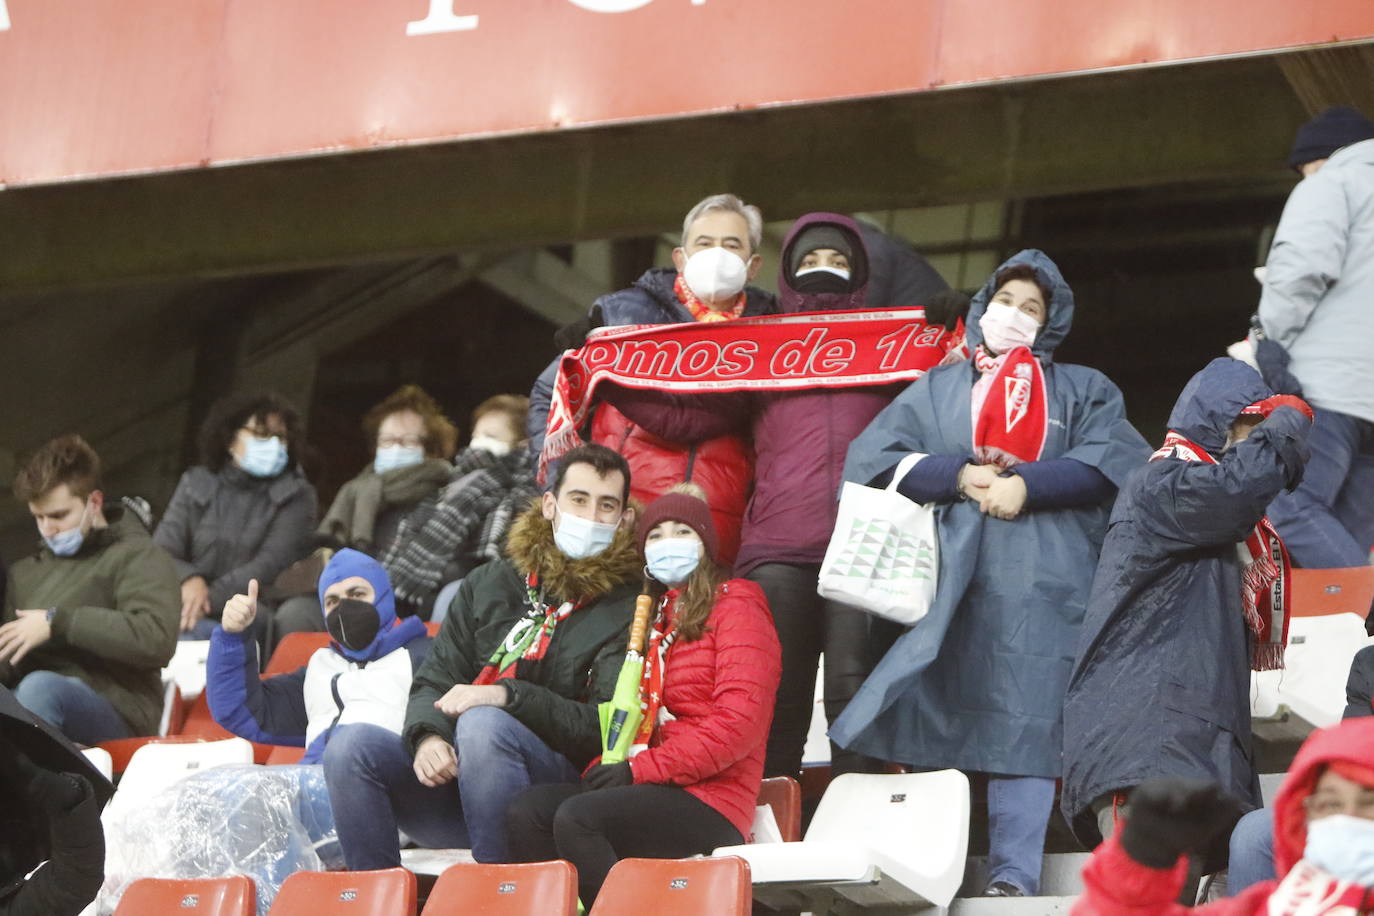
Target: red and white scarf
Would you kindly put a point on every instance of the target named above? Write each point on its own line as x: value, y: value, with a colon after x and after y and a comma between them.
x: 1010, y: 408
x: 661, y: 637
x: 1309, y: 891
x: 700, y: 310
x: 778, y: 353
x: 1265, y: 580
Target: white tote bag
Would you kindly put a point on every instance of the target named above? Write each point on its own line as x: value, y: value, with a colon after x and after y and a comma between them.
x: 883, y: 556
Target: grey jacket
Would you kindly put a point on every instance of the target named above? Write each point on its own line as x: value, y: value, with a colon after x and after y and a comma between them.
x: 231, y: 527
x: 1318, y: 298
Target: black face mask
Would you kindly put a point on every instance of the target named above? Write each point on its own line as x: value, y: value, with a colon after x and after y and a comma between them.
x: 353, y: 624
x: 820, y: 281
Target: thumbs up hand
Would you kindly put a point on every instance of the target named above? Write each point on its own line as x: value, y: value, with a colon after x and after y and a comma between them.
x: 241, y: 609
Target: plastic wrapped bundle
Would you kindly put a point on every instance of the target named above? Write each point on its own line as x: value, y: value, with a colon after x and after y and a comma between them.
x: 263, y: 822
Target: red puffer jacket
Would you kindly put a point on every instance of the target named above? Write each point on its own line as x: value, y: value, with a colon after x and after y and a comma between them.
x: 722, y: 466
x: 1117, y: 885
x: 720, y: 688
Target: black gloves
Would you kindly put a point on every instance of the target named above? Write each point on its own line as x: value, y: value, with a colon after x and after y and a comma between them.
x: 946, y: 307
x: 1169, y: 817
x: 609, y: 776
x: 573, y: 334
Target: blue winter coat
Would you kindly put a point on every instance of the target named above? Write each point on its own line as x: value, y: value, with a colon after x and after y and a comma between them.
x: 1162, y: 679
x: 979, y: 683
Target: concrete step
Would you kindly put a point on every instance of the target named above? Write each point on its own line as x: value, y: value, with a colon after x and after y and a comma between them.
x: 1060, y: 875
x: 1011, y: 906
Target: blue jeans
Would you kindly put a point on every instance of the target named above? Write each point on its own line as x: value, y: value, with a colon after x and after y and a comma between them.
x: 1018, y: 813
x: 1252, y: 851
x: 72, y: 707
x: 1328, y: 521
x: 371, y: 779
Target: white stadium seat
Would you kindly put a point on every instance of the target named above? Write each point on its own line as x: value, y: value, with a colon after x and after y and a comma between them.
x: 154, y: 767
x: 876, y: 840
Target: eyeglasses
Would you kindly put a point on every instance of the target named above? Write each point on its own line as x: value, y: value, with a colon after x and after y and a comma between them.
x: 262, y: 432
x: 1325, y: 806
x: 407, y: 441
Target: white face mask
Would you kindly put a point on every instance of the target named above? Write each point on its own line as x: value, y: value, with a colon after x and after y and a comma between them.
x: 713, y: 274
x: 580, y: 537
x: 1006, y: 327
x: 498, y: 447
x: 1343, y: 846
x: 841, y: 272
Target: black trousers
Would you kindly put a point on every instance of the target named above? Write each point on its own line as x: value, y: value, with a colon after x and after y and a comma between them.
x: 809, y: 625
x: 595, y: 829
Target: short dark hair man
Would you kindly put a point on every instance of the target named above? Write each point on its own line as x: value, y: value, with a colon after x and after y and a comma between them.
x: 91, y: 618
x: 507, y: 696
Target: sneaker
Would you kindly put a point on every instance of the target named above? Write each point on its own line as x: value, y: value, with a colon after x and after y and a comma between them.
x: 1003, y: 889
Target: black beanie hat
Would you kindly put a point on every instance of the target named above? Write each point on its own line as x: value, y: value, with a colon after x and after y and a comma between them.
x: 1334, y: 128
x: 813, y: 238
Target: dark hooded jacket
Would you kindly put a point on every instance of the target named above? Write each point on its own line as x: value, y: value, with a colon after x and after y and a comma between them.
x: 1162, y: 678
x: 1117, y: 885
x: 49, y: 812
x: 800, y: 437
x: 555, y: 696
x: 721, y: 465
x: 979, y: 683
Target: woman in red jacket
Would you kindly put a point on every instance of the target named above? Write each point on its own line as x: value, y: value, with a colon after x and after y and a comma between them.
x: 711, y: 674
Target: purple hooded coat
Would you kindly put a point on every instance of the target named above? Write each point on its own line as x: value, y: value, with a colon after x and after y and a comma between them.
x: 800, y: 437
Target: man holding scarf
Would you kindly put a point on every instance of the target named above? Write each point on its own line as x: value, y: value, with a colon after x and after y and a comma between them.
x: 1190, y: 595
x: 709, y: 283
x: 507, y: 697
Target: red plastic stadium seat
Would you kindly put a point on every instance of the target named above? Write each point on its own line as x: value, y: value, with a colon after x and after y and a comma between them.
x: 294, y: 652
x: 783, y: 795
x: 676, y: 887
x: 529, y: 889
x: 389, y: 892
x: 284, y: 753
x: 1318, y: 592
x: 233, y: 895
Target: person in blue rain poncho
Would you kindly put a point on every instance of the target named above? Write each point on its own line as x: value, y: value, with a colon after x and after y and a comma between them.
x: 1023, y: 458
x: 1161, y: 686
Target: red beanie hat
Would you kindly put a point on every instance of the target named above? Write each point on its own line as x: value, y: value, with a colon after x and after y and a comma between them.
x: 680, y: 507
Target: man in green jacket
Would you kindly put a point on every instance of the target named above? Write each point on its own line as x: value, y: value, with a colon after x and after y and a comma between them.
x: 507, y: 697
x: 91, y: 618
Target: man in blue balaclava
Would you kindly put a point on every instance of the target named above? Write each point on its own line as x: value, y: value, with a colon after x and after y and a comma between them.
x: 362, y: 676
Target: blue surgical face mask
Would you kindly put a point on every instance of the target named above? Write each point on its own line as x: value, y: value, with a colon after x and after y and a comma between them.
x: 672, y: 560
x: 391, y: 457
x: 67, y: 543
x: 263, y: 457
x: 580, y: 537
x: 1343, y: 846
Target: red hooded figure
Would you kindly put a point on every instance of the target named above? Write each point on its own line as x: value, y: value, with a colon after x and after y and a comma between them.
x: 1116, y: 884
